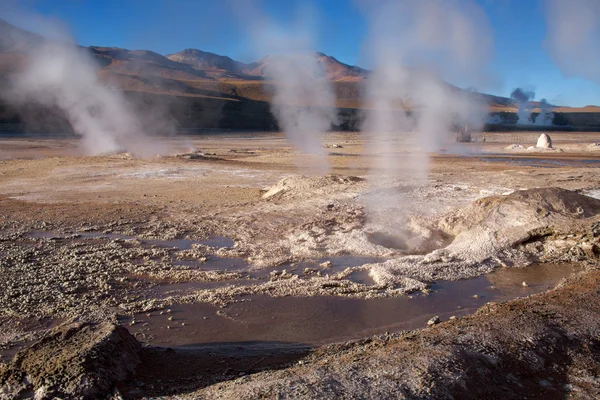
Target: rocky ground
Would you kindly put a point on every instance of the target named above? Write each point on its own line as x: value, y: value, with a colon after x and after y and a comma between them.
x: 97, y: 240
x: 545, y: 346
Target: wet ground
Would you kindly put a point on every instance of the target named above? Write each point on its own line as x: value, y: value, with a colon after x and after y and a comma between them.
x: 554, y: 162
x: 238, y: 239
x: 321, y: 320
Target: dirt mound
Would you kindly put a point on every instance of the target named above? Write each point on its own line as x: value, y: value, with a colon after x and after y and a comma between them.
x: 522, y: 208
x: 493, y: 224
x: 488, y: 232
x: 302, y: 186
x: 82, y: 360
x: 544, y: 141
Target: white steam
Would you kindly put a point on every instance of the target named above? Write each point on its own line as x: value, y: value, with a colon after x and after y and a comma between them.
x: 59, y: 74
x: 415, y: 46
x: 526, y: 106
x: 523, y: 97
x: 573, y: 29
x: 303, y: 101
x: 545, y: 117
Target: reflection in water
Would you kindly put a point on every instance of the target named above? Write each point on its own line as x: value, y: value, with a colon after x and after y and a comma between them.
x: 326, y: 319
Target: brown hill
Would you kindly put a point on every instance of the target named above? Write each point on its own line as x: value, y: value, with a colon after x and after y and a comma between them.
x: 224, y: 67
x: 143, y: 63
x: 191, y: 72
x: 213, y: 65
x: 217, y: 82
x: 16, y: 40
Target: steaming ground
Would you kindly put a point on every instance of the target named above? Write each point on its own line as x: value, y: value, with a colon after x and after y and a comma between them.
x: 228, y: 217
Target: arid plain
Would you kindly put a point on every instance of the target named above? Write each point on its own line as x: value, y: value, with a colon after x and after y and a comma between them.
x: 234, y: 259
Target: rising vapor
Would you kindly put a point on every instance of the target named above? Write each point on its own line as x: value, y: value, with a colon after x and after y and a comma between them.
x: 415, y: 46
x: 523, y: 97
x: 303, y: 99
x: 573, y: 29
x: 60, y: 74
x: 545, y: 117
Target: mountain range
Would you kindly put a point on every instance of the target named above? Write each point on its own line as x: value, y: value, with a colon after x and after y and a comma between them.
x: 190, y: 71
x: 200, y: 82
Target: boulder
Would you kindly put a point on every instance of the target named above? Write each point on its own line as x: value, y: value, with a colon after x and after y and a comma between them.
x: 81, y: 360
x: 544, y: 141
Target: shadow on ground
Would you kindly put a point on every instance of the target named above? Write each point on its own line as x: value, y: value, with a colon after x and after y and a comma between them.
x: 178, y: 370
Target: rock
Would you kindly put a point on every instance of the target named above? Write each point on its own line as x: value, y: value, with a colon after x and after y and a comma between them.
x: 81, y: 360
x: 496, y: 223
x: 544, y: 141
x: 434, y: 321
x: 514, y: 147
x: 594, y: 146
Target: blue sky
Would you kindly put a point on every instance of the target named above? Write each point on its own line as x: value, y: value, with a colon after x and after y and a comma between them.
x: 168, y: 26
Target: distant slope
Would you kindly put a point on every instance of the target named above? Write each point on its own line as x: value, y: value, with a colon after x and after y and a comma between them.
x: 228, y: 68
x: 195, y: 84
x: 338, y: 71
x: 142, y: 62
x: 16, y: 40
x: 194, y: 72
x: 213, y: 64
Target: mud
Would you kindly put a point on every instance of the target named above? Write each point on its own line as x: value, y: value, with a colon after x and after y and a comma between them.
x: 112, y: 237
x: 543, y: 346
x: 322, y: 320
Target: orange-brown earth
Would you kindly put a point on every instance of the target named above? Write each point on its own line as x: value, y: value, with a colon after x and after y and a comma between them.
x: 111, y: 237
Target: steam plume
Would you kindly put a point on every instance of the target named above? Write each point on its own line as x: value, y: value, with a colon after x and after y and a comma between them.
x: 303, y: 98
x: 61, y: 75
x: 523, y: 98
x: 572, y: 42
x: 416, y: 46
x: 545, y: 117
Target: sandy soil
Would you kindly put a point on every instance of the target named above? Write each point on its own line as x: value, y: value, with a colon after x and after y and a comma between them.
x: 222, y: 219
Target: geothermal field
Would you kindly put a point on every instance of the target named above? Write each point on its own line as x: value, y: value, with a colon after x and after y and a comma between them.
x: 221, y: 271
x: 176, y: 224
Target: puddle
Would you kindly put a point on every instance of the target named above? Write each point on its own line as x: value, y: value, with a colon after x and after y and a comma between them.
x: 43, y: 235
x: 325, y: 319
x: 218, y: 242
x: 543, y: 162
x: 180, y: 244
x: 180, y: 289
x: 215, y: 263
x: 326, y: 266
x: 335, y: 263
x: 99, y: 235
